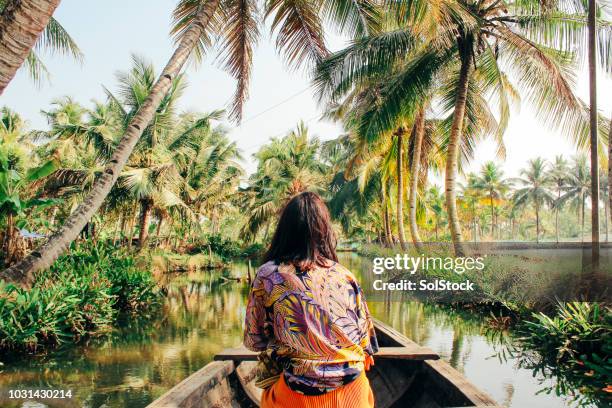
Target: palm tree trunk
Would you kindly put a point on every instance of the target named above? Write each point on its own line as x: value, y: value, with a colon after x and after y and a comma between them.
x: 492, y: 217
x: 537, y: 209
x: 557, y: 216
x: 419, y: 131
x: 605, y: 203
x: 582, y: 199
x: 388, y: 232
x: 593, y: 130
x: 8, y: 239
x: 21, y: 23
x: 45, y: 255
x: 400, y: 188
x: 610, y: 168
x: 452, y: 156
x: 145, y: 218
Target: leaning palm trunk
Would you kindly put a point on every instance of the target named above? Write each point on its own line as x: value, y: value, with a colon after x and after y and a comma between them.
x: 452, y: 156
x: 400, y: 188
x: 21, y: 23
x: 419, y: 130
x: 44, y: 256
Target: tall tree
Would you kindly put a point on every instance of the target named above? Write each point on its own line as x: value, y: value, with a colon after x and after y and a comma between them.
x: 535, y: 182
x: 475, y: 45
x: 300, y: 38
x: 578, y: 189
x: 492, y: 182
x: 21, y: 24
x: 558, y: 175
x: 594, y: 139
x: 45, y: 255
x: 418, y: 133
x: 399, y: 137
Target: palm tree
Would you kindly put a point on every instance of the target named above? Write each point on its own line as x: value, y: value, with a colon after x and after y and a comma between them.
x: 491, y: 180
x: 53, y: 37
x: 558, y: 174
x: 465, y: 42
x: 21, y: 24
x: 418, y: 134
x: 435, y: 203
x: 535, y: 182
x: 300, y: 37
x: 471, y: 195
x: 287, y: 167
x: 577, y: 189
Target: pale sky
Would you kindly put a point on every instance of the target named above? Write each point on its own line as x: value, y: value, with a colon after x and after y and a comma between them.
x: 108, y: 32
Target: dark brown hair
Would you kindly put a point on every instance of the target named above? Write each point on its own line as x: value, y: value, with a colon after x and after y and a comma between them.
x: 304, y: 235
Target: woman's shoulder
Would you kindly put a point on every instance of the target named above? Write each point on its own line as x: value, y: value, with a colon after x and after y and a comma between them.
x: 341, y: 269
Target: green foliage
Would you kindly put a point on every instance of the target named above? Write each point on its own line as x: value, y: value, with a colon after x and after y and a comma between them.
x: 79, y: 296
x: 56, y: 310
x: 228, y: 249
x: 575, y: 344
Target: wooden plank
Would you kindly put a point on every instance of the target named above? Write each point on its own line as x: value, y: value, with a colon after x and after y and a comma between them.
x: 207, y: 387
x: 411, y: 352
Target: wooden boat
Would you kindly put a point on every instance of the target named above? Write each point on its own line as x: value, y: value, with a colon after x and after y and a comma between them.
x: 405, y: 375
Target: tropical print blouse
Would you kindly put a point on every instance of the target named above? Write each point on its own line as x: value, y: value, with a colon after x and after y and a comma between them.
x: 314, y: 327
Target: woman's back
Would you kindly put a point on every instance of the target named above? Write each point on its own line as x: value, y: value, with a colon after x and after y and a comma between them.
x: 316, y: 326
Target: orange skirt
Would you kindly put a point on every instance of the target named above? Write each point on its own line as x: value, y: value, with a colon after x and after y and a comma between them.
x: 356, y: 394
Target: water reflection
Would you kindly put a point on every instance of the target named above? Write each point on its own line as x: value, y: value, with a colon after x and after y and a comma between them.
x: 204, y: 314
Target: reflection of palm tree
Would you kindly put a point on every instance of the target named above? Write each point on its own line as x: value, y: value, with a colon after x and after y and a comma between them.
x: 535, y: 182
x: 456, y: 347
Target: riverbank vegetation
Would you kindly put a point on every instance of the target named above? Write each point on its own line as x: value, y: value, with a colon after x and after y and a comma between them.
x: 81, y: 296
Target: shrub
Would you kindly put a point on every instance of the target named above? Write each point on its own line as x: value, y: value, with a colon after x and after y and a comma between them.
x: 575, y: 344
x: 79, y: 296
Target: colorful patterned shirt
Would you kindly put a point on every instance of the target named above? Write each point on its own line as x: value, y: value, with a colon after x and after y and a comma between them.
x: 314, y: 327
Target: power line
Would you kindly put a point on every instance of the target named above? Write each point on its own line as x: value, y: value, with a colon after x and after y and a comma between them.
x: 279, y: 134
x: 274, y: 106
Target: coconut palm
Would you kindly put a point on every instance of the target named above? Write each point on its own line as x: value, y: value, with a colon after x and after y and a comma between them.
x: 434, y: 200
x: 558, y: 174
x: 471, y: 196
x: 286, y: 167
x: 491, y: 181
x: 535, y: 189
x: 196, y: 23
x: 29, y: 18
x: 577, y: 189
x: 473, y: 43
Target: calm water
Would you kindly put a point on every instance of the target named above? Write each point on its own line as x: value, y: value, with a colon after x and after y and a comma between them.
x: 204, y: 314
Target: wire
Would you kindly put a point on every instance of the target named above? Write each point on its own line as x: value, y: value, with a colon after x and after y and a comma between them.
x: 274, y: 106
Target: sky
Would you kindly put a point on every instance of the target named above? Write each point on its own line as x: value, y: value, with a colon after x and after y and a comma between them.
x: 109, y: 32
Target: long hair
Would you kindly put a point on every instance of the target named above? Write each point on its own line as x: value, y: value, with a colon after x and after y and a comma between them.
x: 304, y: 236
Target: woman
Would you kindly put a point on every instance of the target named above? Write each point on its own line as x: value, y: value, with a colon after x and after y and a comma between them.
x: 307, y: 315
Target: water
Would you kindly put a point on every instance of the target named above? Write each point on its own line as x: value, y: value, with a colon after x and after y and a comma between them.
x: 204, y: 314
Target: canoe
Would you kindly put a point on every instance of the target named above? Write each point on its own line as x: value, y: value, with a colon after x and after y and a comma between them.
x: 405, y: 375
